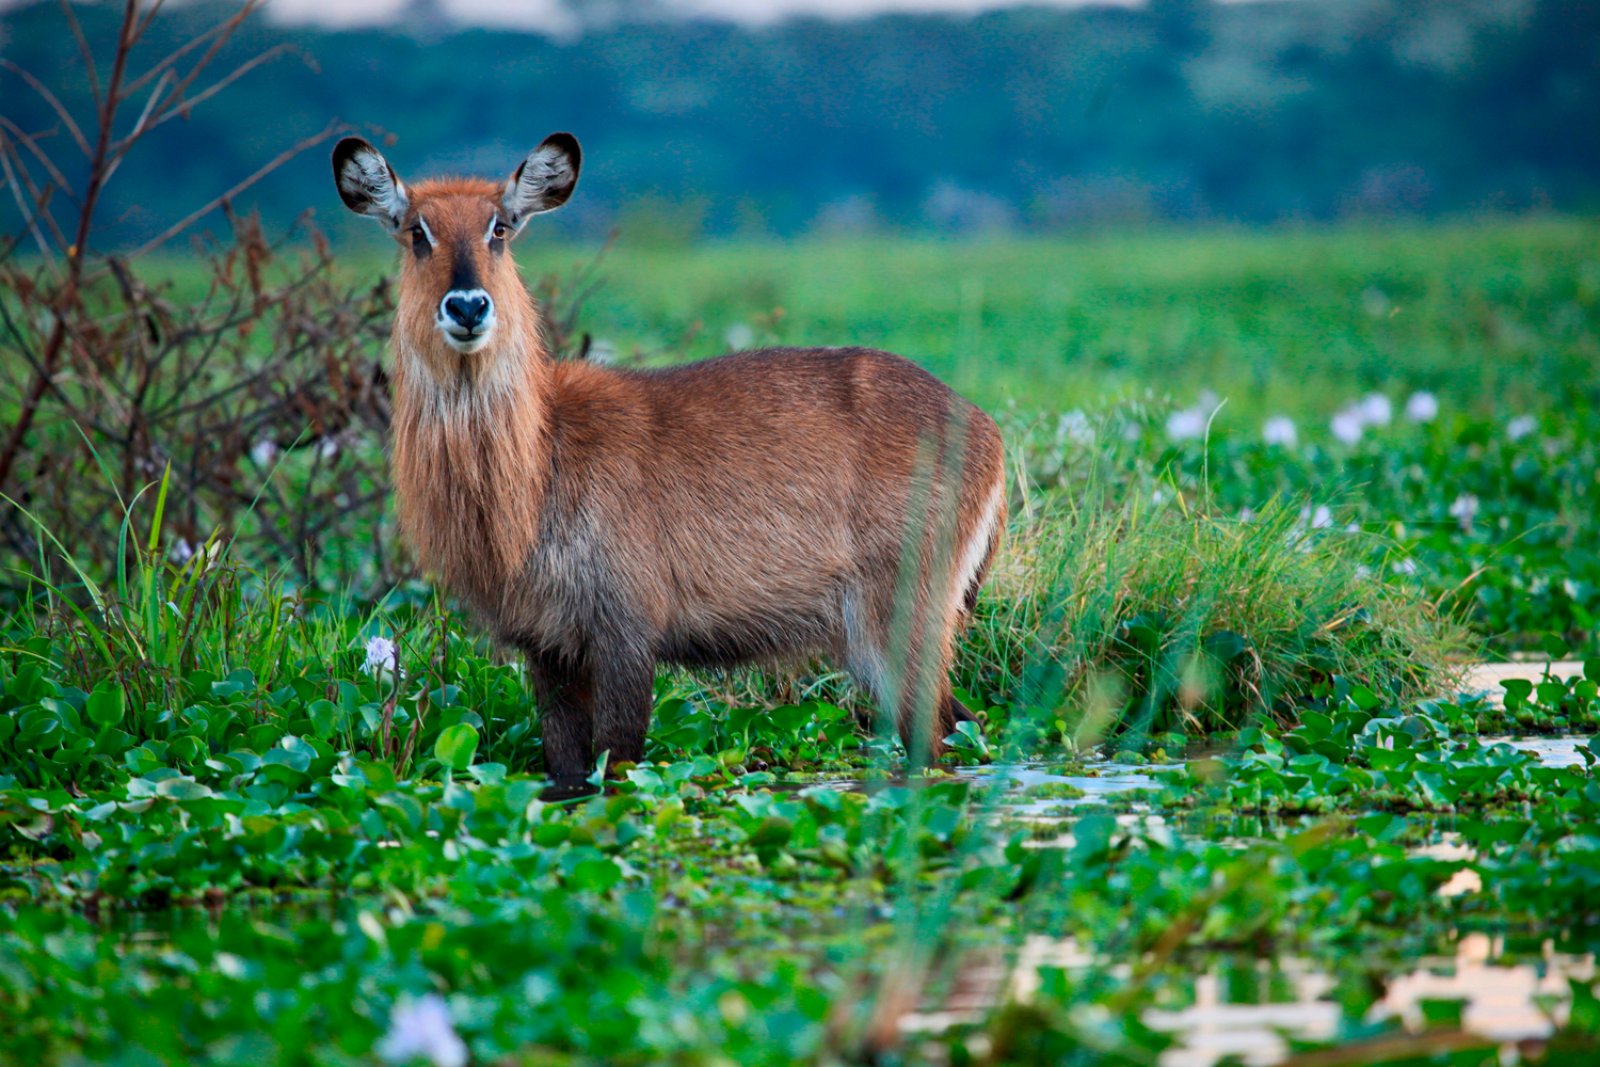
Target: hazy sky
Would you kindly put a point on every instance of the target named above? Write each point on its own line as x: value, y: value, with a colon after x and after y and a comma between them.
x: 550, y: 14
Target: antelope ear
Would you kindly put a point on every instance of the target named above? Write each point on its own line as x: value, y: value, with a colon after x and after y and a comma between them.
x: 367, y: 184
x: 544, y: 181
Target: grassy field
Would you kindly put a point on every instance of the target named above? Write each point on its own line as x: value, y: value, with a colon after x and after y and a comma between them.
x: 1486, y: 317
x: 1223, y: 773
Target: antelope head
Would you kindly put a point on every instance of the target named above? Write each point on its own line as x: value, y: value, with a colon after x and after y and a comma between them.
x: 460, y: 294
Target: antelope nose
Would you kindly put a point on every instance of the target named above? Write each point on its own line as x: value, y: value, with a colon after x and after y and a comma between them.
x: 466, y: 311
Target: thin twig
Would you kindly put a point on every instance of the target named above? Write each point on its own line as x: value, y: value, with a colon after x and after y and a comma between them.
x: 194, y: 216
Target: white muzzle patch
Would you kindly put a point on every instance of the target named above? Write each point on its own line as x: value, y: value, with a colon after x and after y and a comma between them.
x: 466, y: 319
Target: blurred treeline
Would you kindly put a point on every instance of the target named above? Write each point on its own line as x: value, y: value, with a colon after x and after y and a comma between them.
x: 1025, y: 118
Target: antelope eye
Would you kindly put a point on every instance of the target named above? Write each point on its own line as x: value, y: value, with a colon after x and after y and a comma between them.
x: 499, y: 231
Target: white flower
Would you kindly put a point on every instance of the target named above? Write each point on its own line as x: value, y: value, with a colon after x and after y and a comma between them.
x: 1074, y: 426
x: 264, y: 452
x: 181, y: 551
x: 1422, y: 407
x: 1187, y: 424
x: 1279, y: 430
x: 1464, y: 510
x: 380, y: 655
x: 1404, y: 566
x: 1521, y: 426
x: 1247, y: 514
x: 420, y: 1029
x: 739, y: 335
x: 1320, y: 519
x: 1363, y: 571
x: 328, y: 448
x: 1347, y: 426
x: 1376, y: 410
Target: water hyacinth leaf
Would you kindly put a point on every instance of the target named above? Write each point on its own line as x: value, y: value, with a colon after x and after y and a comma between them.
x: 1518, y: 690
x: 968, y: 736
x: 182, y: 789
x: 488, y: 773
x: 456, y: 746
x: 106, y: 705
x: 327, y: 718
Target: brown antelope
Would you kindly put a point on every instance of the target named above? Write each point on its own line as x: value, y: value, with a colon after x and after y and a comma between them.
x: 751, y: 508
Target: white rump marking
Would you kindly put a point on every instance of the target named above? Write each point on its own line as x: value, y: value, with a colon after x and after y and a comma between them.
x: 977, y: 547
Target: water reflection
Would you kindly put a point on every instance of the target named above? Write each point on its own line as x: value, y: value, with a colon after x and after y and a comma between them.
x: 1505, y: 1002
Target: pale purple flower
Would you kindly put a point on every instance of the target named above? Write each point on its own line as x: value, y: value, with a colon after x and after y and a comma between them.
x: 1376, y: 410
x: 1404, y: 566
x: 1187, y: 424
x: 1074, y: 426
x: 1464, y: 509
x: 263, y: 452
x: 328, y: 448
x: 1521, y: 427
x: 1347, y: 426
x: 1247, y: 514
x: 380, y: 655
x: 1279, y: 430
x: 1320, y: 519
x: 181, y: 551
x: 1422, y: 407
x: 421, y: 1029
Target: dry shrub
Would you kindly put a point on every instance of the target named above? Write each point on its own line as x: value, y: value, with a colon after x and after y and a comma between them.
x: 247, y: 367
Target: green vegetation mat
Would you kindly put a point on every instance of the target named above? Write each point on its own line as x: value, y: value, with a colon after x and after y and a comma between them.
x: 1224, y: 785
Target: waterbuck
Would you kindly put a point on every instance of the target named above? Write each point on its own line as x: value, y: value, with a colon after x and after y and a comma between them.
x: 763, y: 506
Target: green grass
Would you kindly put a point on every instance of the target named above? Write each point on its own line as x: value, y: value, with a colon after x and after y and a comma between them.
x: 1488, y: 316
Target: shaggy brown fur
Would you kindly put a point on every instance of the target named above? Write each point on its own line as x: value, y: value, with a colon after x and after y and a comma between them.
x: 752, y: 508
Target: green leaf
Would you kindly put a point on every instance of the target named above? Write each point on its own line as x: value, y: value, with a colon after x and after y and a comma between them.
x: 106, y: 705
x: 456, y: 746
x: 183, y: 789
x: 1517, y: 692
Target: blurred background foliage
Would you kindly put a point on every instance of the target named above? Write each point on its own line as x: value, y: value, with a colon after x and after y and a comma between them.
x: 1025, y: 118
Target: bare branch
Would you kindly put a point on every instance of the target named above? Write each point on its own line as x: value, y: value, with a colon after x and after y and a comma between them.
x: 50, y: 99
x: 84, y: 52
x: 31, y: 143
x: 175, y: 107
x: 216, y: 37
x: 176, y: 55
x: 194, y: 216
x: 17, y: 178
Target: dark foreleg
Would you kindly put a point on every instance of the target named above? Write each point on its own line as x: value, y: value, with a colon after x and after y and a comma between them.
x: 565, y: 694
x: 624, y: 691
